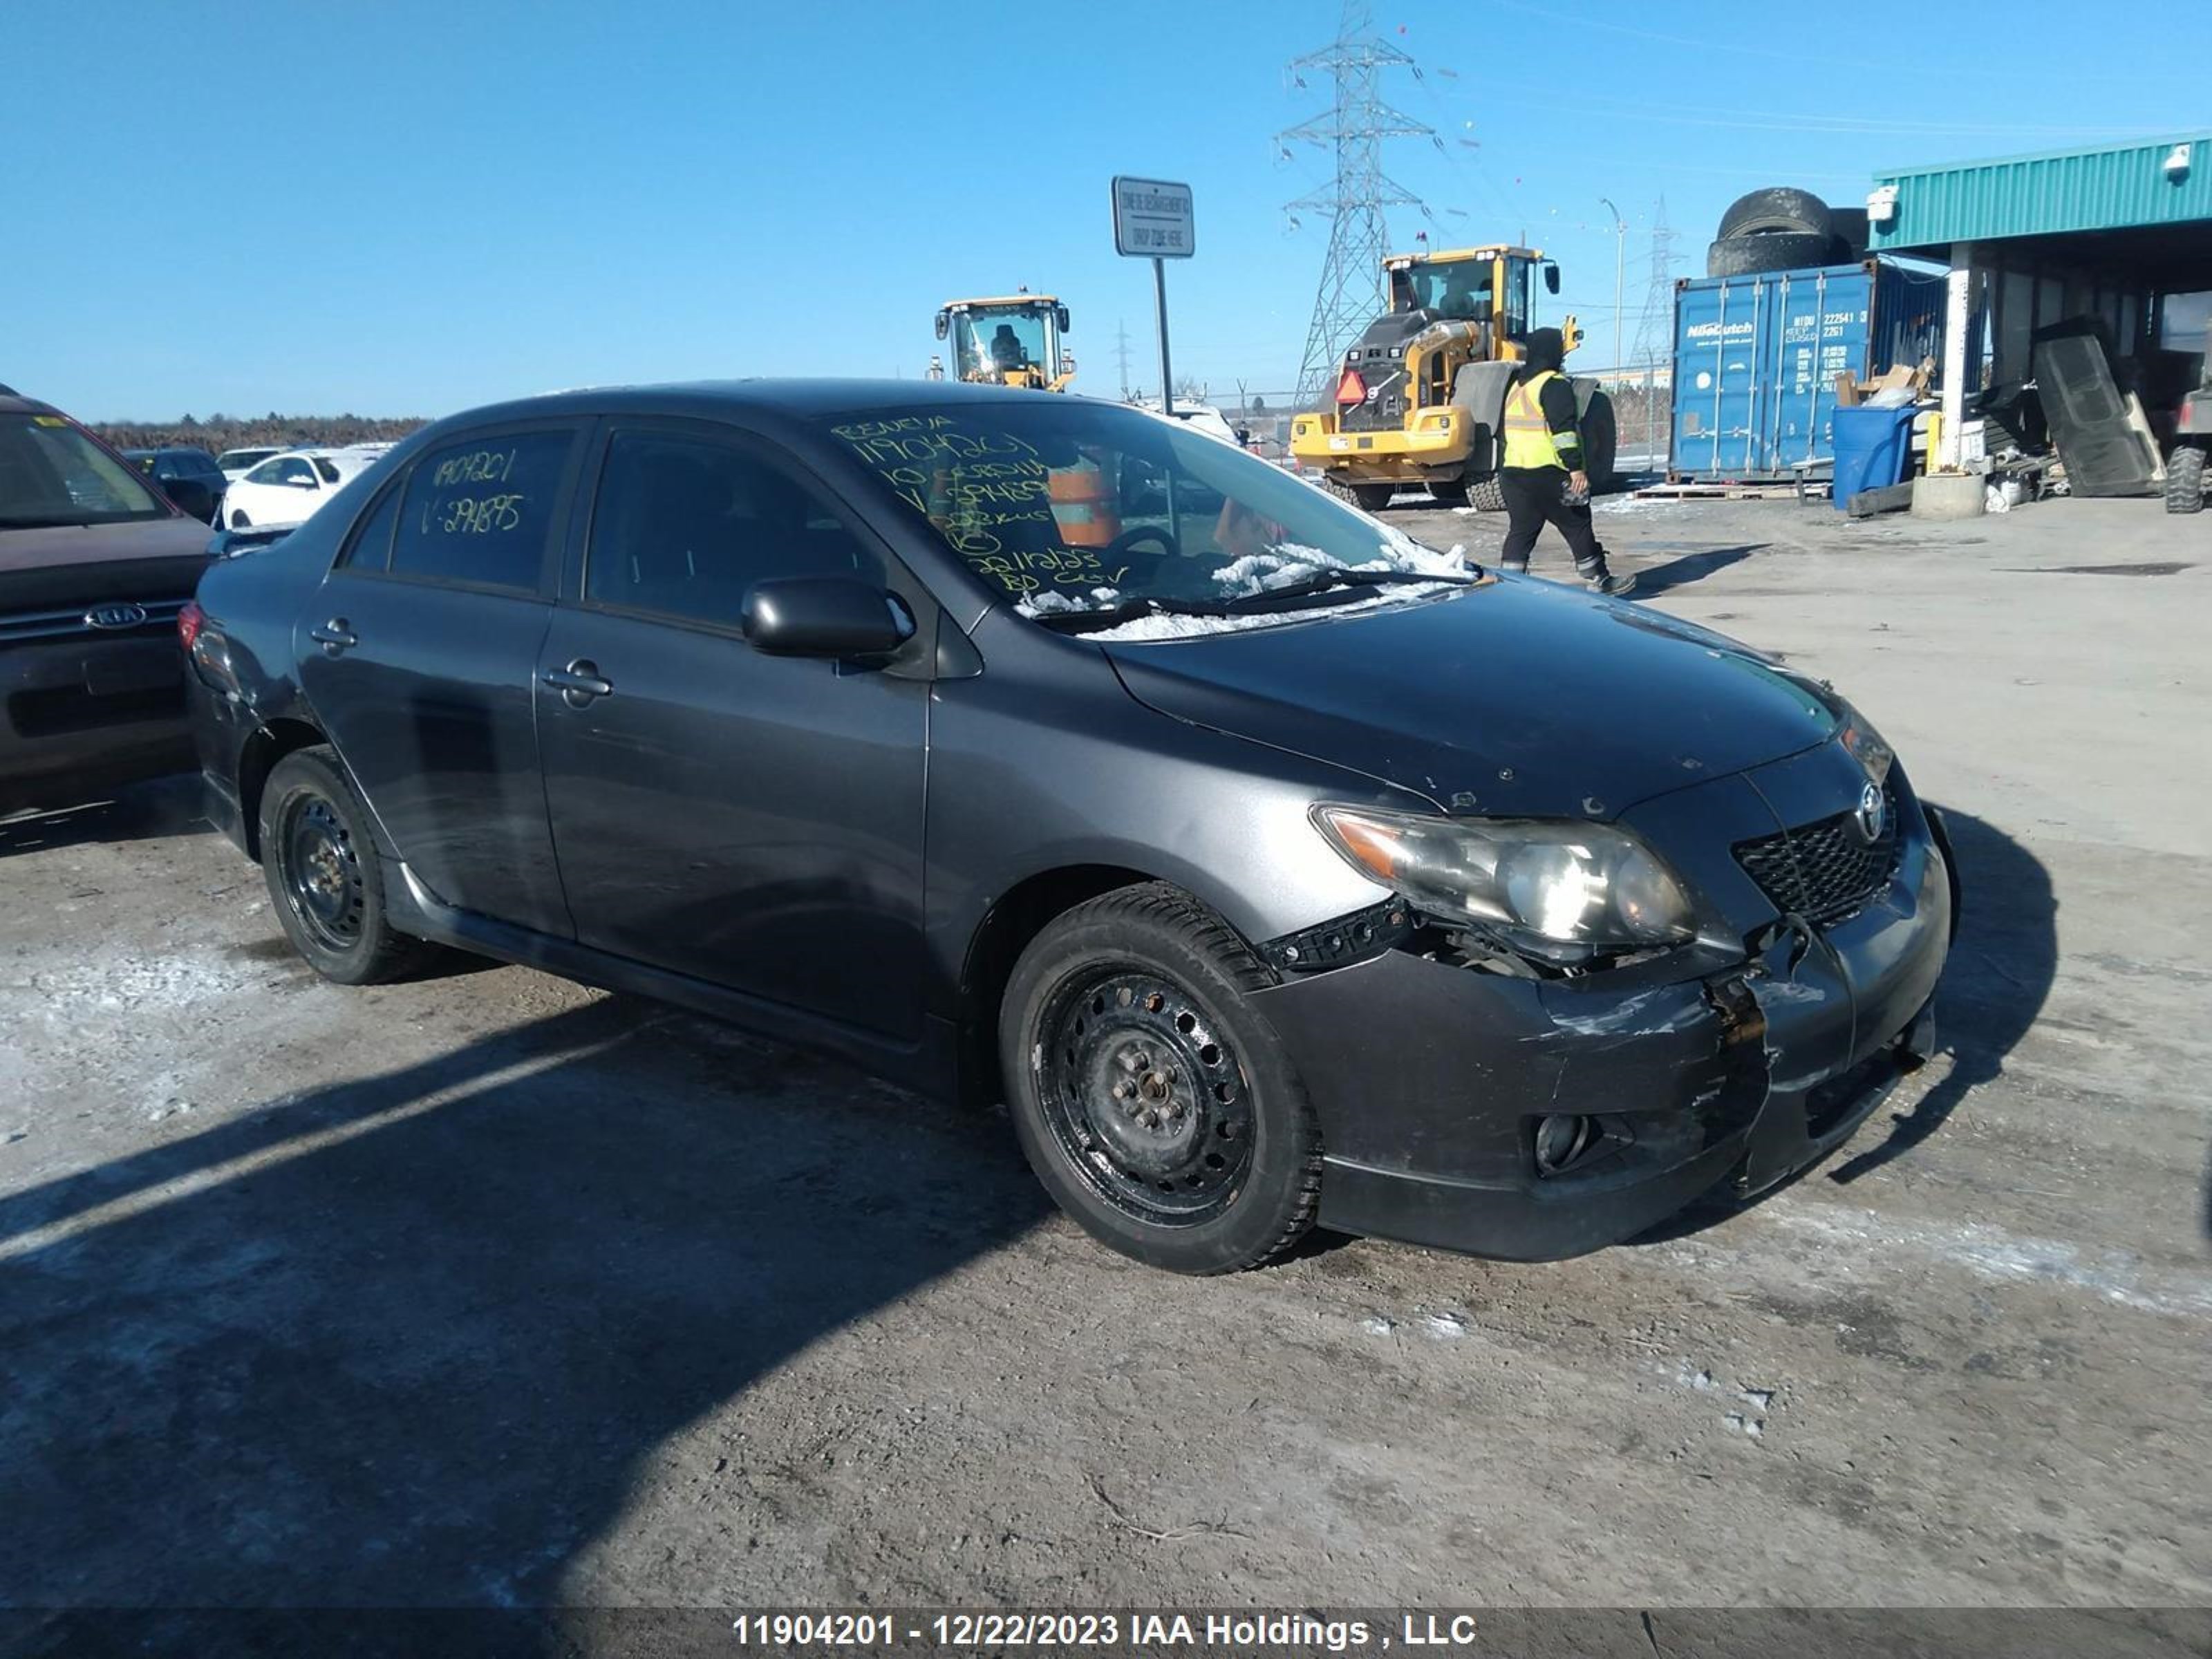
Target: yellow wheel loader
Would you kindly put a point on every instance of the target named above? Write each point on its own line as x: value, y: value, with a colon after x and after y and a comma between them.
x: 1420, y: 399
x: 1013, y: 340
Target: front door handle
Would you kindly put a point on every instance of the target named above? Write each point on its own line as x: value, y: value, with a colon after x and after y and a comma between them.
x: 334, y: 636
x: 578, y: 683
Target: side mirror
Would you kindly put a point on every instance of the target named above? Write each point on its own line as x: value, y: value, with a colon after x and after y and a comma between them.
x: 191, y: 495
x: 824, y: 617
x: 943, y: 324
x: 1061, y: 318
x: 1550, y: 277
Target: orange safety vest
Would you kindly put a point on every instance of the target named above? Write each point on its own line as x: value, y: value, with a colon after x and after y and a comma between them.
x: 1082, y: 505
x: 1529, y: 442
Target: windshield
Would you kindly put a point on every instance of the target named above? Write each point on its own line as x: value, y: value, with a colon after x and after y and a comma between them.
x: 986, y: 343
x: 231, y: 459
x: 52, y: 474
x: 1461, y: 290
x: 1066, y: 507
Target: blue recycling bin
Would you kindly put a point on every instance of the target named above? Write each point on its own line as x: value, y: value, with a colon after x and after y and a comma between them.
x: 1871, y: 445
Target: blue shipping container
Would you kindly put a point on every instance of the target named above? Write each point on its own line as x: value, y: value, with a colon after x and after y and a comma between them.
x: 1756, y: 359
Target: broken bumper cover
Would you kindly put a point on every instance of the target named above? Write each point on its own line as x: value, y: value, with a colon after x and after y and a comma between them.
x: 1429, y: 1078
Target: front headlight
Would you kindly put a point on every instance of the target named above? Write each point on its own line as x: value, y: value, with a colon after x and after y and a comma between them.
x: 1584, y: 884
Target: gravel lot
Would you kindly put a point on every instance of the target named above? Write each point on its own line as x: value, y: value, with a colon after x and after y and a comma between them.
x: 490, y: 1290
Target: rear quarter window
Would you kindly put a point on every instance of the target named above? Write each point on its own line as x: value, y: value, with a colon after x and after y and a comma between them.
x: 479, y: 511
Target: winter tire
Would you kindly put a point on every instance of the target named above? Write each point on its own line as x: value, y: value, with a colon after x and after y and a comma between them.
x: 1777, y: 209
x: 319, y: 861
x: 1151, y: 1098
x: 1745, y: 256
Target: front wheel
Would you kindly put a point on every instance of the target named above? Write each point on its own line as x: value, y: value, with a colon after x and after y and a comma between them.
x: 1154, y: 1103
x: 240, y: 521
x: 2185, y: 480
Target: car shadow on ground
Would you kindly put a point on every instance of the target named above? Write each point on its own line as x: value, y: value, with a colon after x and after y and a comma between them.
x: 1999, y: 976
x: 172, y: 806
x: 407, y: 1340
x: 1685, y: 569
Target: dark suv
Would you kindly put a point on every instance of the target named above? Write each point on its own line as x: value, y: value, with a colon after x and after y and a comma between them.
x: 95, y: 568
x: 1269, y: 866
x: 190, y: 477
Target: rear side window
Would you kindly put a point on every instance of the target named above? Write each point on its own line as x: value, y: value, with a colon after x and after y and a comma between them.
x: 479, y: 511
x: 370, y: 548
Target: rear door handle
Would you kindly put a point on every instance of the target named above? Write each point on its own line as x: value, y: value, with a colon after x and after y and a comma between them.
x: 334, y: 636
x: 578, y: 683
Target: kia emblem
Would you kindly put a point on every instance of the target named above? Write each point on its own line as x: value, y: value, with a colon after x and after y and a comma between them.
x: 115, y: 616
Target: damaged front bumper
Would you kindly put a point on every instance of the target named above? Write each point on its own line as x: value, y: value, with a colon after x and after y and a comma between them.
x: 1430, y: 1078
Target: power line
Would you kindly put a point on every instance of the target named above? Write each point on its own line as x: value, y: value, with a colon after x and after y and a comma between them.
x: 1353, y: 127
x: 1654, y: 330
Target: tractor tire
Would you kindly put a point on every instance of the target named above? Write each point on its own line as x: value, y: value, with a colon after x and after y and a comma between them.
x: 2185, y: 480
x: 1367, y: 497
x: 1746, y: 256
x: 1600, y: 442
x: 1486, y: 494
x: 1777, y: 209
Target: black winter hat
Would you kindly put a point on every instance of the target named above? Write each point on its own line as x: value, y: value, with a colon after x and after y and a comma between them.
x: 1547, y: 349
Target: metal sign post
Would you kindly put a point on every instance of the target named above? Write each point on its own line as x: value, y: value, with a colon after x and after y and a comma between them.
x: 1152, y: 220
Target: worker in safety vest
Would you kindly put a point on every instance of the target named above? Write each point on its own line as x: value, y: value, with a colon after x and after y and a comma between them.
x: 1542, y: 477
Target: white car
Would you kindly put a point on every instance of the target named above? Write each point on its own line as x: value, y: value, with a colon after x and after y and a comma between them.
x: 287, y: 488
x: 237, y: 463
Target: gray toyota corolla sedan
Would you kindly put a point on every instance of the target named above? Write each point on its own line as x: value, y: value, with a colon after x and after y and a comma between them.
x: 1272, y: 867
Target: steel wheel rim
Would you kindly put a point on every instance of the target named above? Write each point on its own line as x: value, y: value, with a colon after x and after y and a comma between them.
x: 322, y: 873
x: 1144, y: 1096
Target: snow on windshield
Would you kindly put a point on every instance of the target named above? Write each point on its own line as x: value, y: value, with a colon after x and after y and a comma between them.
x: 1254, y: 573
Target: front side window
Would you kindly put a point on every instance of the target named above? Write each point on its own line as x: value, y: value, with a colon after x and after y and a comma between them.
x: 1460, y: 289
x: 53, y: 474
x: 479, y: 510
x: 1517, y: 319
x: 1064, y: 508
x: 684, y: 526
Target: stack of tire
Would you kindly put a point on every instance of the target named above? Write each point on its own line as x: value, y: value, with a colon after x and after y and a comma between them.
x: 1783, y: 228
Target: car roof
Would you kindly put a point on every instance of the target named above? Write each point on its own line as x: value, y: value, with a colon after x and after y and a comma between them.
x: 819, y: 398
x: 14, y: 402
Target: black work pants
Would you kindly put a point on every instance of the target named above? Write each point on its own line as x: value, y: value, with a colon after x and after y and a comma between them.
x: 1536, y: 496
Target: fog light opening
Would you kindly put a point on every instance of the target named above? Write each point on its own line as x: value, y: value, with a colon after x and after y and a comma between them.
x: 1562, y: 1138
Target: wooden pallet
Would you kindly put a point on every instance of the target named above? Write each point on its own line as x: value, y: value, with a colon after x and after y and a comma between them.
x: 1731, y: 492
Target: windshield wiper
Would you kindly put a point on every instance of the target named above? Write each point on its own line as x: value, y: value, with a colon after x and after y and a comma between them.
x: 9, y: 523
x: 1134, y: 610
x: 1323, y: 581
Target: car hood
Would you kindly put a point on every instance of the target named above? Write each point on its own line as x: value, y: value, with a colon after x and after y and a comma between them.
x: 99, y: 544
x: 1518, y: 698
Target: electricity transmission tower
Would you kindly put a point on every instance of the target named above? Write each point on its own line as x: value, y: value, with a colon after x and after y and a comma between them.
x: 1121, y: 356
x: 1654, y: 331
x: 1354, y: 128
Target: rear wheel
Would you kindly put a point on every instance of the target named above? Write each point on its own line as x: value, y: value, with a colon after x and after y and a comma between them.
x: 320, y: 862
x: 1486, y: 494
x: 2185, y: 480
x: 1154, y: 1103
x: 240, y: 521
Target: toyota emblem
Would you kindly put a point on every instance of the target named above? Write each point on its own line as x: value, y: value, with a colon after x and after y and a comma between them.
x: 1873, y: 813
x: 115, y: 616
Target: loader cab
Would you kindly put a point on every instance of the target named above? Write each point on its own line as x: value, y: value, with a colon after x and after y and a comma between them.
x: 1015, y: 341
x: 1494, y: 286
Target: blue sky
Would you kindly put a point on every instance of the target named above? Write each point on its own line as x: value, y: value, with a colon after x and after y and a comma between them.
x: 407, y: 209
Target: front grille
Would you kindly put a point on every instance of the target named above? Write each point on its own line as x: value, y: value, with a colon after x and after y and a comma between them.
x: 1826, y: 871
